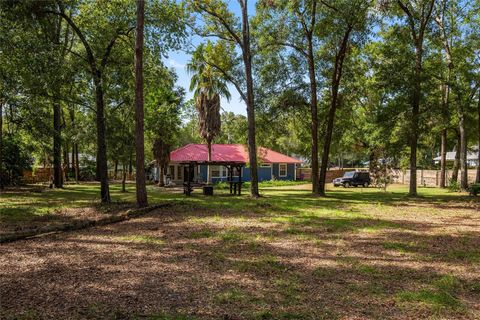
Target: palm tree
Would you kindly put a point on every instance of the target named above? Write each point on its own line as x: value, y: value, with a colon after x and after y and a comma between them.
x: 208, y: 86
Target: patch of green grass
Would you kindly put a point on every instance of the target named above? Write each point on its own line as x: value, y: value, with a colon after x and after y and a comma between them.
x: 286, y: 315
x: 323, y: 272
x: 442, y: 294
x: 201, y: 234
x: 367, y: 270
x: 265, y: 264
x: 255, y: 244
x: 375, y: 288
x: 474, y: 287
x: 289, y: 288
x: 26, y: 315
x: 470, y: 256
x: 232, y: 235
x: 231, y: 296
x: 293, y: 231
x: 143, y: 239
x: 380, y: 225
x: 167, y: 316
x: 400, y: 246
x: 430, y: 297
x: 262, y: 184
x: 336, y: 225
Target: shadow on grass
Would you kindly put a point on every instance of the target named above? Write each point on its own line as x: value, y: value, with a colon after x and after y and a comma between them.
x: 152, y: 267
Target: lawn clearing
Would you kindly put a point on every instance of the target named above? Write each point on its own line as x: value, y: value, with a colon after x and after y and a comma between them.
x: 359, y: 253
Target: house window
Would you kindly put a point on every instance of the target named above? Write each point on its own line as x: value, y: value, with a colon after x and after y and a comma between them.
x: 282, y: 170
x: 171, y: 172
x: 216, y: 171
x: 236, y: 171
x: 265, y: 165
x: 220, y: 171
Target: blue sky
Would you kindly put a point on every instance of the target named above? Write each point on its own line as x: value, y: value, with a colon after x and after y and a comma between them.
x: 178, y: 59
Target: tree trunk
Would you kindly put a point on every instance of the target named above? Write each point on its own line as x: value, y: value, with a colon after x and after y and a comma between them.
x: 314, y: 115
x: 157, y: 164
x: 102, y: 165
x: 73, y: 159
x: 445, y: 100
x: 57, y: 145
x: 115, y: 170
x: 337, y: 76
x: 443, y: 158
x: 463, y: 150
x: 130, y: 166
x: 1, y: 145
x: 124, y: 177
x: 247, y: 60
x: 66, y: 161
x: 77, y: 163
x: 371, y: 160
x: 477, y: 179
x: 423, y: 16
x: 456, y: 162
x: 139, y: 112
x: 415, y: 118
x: 161, y: 182
x: 209, y: 146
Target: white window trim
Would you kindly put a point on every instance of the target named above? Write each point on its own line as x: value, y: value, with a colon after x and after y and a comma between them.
x: 222, y: 170
x: 279, y: 170
x: 210, y: 167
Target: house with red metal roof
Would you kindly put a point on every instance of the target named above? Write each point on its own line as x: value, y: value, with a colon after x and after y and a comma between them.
x: 271, y: 164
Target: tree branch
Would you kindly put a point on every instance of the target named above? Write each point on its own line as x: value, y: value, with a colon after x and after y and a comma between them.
x: 108, y: 50
x: 223, y: 22
x: 410, y: 19
x: 90, y: 56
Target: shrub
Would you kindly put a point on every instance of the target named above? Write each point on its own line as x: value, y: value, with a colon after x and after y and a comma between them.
x: 474, y: 189
x: 16, y: 158
x: 453, y: 186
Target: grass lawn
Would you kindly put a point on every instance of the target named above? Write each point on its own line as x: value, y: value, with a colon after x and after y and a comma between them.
x: 359, y: 253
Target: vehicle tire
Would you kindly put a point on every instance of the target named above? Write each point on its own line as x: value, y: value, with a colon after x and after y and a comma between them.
x: 366, y: 184
x: 346, y: 185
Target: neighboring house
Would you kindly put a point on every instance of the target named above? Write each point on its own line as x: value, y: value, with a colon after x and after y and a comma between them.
x: 271, y: 164
x: 472, y: 157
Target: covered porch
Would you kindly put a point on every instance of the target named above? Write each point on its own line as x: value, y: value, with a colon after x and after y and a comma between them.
x: 191, y: 170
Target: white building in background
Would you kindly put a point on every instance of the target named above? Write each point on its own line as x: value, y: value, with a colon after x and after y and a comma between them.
x: 472, y: 157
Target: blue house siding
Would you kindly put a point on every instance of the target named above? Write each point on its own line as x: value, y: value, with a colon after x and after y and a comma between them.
x: 264, y: 173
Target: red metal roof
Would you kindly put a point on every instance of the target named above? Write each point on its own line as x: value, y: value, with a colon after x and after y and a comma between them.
x: 227, y: 153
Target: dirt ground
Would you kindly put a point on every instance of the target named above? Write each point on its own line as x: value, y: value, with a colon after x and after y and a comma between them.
x: 404, y: 261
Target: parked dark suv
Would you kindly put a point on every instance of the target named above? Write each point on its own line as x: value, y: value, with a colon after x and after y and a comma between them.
x: 353, y: 178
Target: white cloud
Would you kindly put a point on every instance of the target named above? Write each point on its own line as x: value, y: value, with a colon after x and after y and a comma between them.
x: 174, y: 64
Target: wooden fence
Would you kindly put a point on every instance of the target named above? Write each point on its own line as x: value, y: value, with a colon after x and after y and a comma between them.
x: 428, y: 177
x: 306, y: 174
x: 424, y: 177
